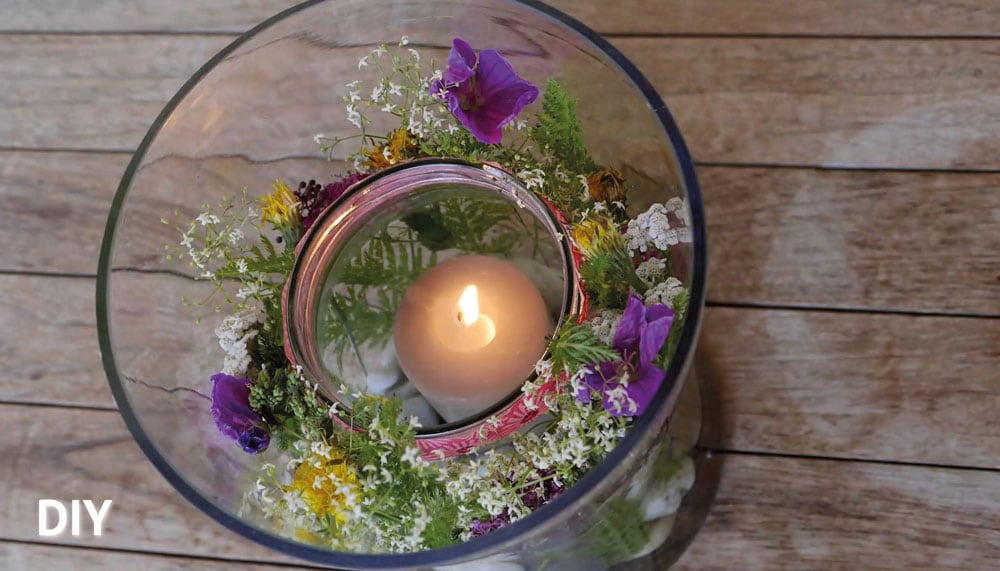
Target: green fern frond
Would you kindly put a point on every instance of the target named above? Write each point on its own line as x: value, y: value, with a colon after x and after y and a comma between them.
x: 575, y: 346
x: 559, y: 132
x: 619, y: 531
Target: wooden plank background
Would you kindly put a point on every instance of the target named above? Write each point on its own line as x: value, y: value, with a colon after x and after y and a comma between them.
x: 848, y: 155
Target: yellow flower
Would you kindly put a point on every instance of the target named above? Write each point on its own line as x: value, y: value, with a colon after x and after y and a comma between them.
x: 401, y: 146
x: 280, y: 207
x: 328, y: 485
x: 595, y: 235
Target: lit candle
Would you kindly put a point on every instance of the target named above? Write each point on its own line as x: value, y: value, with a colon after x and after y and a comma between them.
x: 469, y: 332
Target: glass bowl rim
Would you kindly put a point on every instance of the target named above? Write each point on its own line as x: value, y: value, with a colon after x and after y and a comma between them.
x: 441, y: 168
x: 510, y: 535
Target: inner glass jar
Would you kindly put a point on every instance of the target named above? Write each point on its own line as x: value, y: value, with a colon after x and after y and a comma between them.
x: 436, y: 281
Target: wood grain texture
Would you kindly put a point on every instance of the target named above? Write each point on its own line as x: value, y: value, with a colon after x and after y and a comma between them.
x: 881, y: 387
x: 98, y: 92
x: 63, y: 197
x: 65, y: 454
x: 836, y: 17
x: 916, y: 241
x: 834, y: 103
x: 843, y: 83
x: 777, y: 513
x: 22, y: 556
x: 48, y: 342
x: 888, y: 387
x: 770, y: 513
x: 817, y: 102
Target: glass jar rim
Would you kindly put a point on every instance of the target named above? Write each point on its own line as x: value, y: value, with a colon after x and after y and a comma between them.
x: 367, y: 199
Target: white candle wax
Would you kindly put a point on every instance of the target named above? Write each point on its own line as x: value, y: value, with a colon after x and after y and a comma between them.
x: 469, y: 332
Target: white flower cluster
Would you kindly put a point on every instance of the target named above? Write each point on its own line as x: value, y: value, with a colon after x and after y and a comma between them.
x: 532, y: 178
x: 618, y: 396
x: 401, y: 91
x: 235, y: 331
x: 496, y: 480
x: 652, y: 271
x: 654, y: 227
x: 605, y: 323
x: 664, y: 292
x: 417, y: 521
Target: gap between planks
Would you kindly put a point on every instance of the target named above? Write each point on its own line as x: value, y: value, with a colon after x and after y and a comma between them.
x: 708, y: 302
x: 609, y: 35
x: 710, y: 450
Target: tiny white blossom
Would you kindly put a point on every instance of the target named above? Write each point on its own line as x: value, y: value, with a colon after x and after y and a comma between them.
x: 604, y: 324
x: 363, y: 62
x: 404, y: 41
x: 664, y: 292
x: 206, y: 218
x: 532, y: 178
x: 354, y: 116
x: 652, y: 270
x: 413, y: 457
x: 654, y: 227
x: 585, y: 185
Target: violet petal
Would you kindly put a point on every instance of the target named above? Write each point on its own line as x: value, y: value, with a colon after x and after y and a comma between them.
x: 630, y: 327
x: 233, y: 415
x: 461, y: 63
x: 643, y: 387
x: 659, y: 319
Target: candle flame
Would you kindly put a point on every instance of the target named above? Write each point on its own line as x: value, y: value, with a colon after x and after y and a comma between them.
x: 468, y: 306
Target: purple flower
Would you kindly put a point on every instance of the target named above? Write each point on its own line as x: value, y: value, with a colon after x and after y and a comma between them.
x: 480, y: 528
x: 314, y: 198
x: 639, y: 337
x: 233, y: 415
x: 484, y: 93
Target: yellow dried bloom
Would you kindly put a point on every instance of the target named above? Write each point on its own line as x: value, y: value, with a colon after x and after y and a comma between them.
x: 280, y: 207
x: 328, y: 485
x: 400, y: 146
x: 606, y: 185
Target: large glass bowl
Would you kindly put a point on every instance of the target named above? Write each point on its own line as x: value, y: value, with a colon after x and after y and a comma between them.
x: 249, y: 117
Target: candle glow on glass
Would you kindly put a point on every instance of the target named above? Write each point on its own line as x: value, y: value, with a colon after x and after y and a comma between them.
x: 469, y: 332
